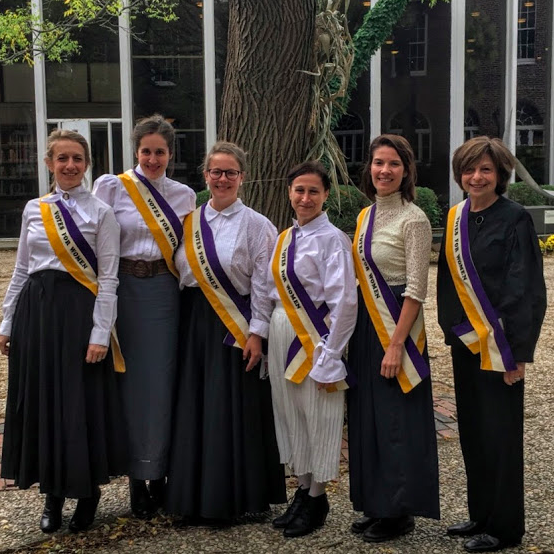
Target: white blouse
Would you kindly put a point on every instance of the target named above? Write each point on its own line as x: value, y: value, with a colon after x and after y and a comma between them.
x: 137, y: 242
x: 243, y: 241
x: 323, y: 263
x: 97, y: 223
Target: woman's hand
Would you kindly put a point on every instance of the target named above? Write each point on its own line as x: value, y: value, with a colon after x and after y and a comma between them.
x: 511, y: 377
x: 4, y: 344
x: 96, y: 353
x: 252, y: 351
x: 392, y: 361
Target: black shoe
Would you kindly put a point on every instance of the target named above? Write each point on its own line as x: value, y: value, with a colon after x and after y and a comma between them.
x: 488, y: 543
x: 141, y: 503
x: 300, y: 496
x: 311, y: 516
x: 156, y: 488
x: 84, y: 513
x: 465, y: 529
x: 51, y: 519
x: 362, y: 523
x: 388, y: 528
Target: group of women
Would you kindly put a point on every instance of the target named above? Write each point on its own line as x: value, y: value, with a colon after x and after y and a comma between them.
x: 184, y: 400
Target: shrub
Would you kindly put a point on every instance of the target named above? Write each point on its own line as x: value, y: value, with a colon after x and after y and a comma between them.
x: 202, y: 197
x: 427, y: 200
x: 352, y: 202
x: 523, y: 194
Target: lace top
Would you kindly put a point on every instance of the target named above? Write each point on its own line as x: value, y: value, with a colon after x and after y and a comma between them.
x: 401, y: 244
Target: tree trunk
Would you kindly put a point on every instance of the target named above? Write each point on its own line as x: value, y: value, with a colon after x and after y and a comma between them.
x: 267, y: 99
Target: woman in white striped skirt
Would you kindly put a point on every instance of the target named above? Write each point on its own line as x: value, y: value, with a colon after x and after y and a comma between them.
x: 311, y: 280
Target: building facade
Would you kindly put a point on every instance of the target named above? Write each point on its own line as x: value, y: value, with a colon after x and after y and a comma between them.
x: 448, y: 73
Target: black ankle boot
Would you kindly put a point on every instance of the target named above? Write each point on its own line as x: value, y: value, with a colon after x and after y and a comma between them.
x: 300, y: 497
x: 51, y: 519
x: 312, y: 515
x: 156, y: 488
x: 84, y: 513
x: 141, y: 503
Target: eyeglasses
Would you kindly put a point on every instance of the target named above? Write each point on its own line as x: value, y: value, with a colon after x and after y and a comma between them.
x: 231, y: 174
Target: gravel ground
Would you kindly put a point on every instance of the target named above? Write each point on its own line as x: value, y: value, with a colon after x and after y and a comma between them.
x: 115, y: 531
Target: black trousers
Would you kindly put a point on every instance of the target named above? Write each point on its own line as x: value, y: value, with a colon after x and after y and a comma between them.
x: 490, y: 421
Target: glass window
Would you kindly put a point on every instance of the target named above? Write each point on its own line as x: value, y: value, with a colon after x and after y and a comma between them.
x: 417, y: 56
x: 526, y: 28
x: 168, y: 77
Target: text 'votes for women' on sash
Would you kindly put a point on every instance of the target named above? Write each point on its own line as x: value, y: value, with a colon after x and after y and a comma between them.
x: 483, y: 332
x: 76, y: 255
x: 383, y: 308
x: 232, y: 308
x: 308, y: 321
x: 163, y: 222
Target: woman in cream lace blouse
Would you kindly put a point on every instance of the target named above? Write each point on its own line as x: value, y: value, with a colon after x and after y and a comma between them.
x: 393, y: 450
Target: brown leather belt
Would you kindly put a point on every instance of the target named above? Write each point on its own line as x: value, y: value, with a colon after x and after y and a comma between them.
x: 142, y: 268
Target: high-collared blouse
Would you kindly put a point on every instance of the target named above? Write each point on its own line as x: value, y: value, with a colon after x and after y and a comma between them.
x: 243, y: 240
x: 97, y: 223
x: 323, y: 263
x: 401, y: 244
x: 137, y: 242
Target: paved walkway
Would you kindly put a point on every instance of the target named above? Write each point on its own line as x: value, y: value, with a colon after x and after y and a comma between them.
x: 445, y: 424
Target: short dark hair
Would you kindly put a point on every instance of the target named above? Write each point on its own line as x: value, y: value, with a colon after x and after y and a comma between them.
x: 474, y: 149
x: 310, y: 168
x: 154, y: 125
x: 406, y: 154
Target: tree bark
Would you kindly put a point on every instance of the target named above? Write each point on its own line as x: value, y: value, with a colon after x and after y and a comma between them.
x: 267, y: 99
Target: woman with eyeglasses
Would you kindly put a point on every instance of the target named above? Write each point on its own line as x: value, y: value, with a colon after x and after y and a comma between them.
x: 224, y: 460
x: 150, y: 208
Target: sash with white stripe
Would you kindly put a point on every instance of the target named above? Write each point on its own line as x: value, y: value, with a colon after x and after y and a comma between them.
x: 483, y: 332
x: 309, y: 322
x: 232, y: 308
x: 383, y: 307
x: 76, y: 255
x: 163, y: 222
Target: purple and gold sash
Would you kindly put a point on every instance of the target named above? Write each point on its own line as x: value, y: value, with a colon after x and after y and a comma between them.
x: 163, y: 222
x: 76, y: 255
x: 309, y: 322
x: 483, y: 332
x: 232, y: 308
x: 383, y: 308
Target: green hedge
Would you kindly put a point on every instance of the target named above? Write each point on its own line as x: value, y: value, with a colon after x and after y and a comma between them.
x: 352, y: 202
x: 202, y: 197
x: 427, y: 200
x: 526, y: 196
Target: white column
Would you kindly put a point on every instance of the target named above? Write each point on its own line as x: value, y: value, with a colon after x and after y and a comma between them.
x: 510, y: 97
x: 126, y: 85
x: 40, y: 108
x: 457, y: 88
x: 209, y: 73
x: 551, y: 110
x: 375, y: 93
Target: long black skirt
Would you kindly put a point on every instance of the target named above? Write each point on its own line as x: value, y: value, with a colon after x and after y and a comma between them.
x: 224, y: 460
x: 392, y: 440
x: 64, y: 428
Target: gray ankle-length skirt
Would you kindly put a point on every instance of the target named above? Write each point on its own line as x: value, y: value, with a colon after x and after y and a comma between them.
x: 147, y: 323
x: 224, y: 460
x: 64, y: 428
x: 391, y: 435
